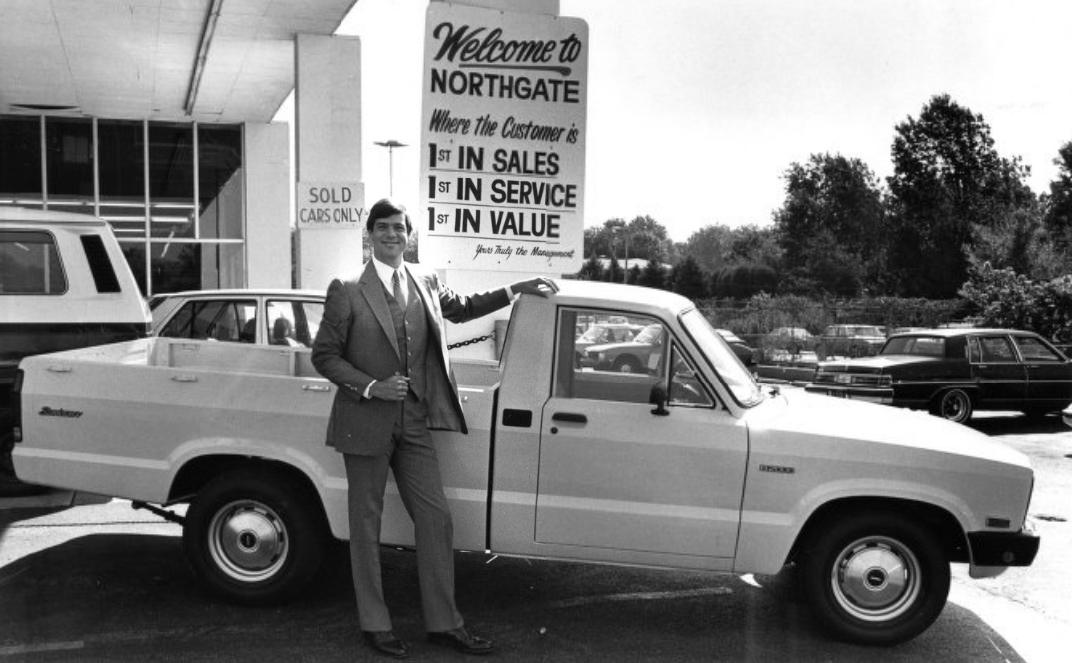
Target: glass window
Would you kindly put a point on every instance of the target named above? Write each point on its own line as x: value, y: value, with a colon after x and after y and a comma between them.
x: 610, y: 370
x: 220, y: 320
x: 69, y: 160
x: 20, y: 161
x: 996, y: 350
x: 171, y: 180
x: 219, y: 179
x: 721, y: 358
x: 1033, y: 349
x: 685, y: 385
x: 121, y: 153
x: 30, y: 264
x: 294, y: 323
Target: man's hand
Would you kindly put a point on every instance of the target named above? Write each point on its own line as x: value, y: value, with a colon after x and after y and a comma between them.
x: 393, y: 388
x: 542, y: 286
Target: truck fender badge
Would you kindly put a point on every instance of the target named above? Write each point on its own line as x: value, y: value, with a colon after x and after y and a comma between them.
x: 60, y: 412
x: 777, y: 469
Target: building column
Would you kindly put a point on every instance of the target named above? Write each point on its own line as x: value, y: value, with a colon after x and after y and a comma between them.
x: 268, y: 204
x: 327, y: 118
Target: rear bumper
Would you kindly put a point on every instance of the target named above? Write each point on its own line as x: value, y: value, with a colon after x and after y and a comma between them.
x: 882, y: 396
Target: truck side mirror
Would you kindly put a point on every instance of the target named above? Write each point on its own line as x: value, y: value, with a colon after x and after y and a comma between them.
x: 658, y: 398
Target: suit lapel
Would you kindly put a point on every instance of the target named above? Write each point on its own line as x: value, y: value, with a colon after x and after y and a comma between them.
x: 431, y: 309
x: 372, y: 289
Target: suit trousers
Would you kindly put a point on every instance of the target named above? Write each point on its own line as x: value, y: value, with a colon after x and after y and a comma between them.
x: 416, y: 469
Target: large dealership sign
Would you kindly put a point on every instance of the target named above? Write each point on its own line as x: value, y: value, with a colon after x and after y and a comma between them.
x: 505, y: 98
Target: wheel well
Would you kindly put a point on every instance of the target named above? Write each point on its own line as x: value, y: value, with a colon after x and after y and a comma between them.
x: 942, y: 523
x: 195, y: 474
x: 972, y: 393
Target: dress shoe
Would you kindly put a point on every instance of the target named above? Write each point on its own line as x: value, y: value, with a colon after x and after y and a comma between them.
x: 385, y: 642
x: 462, y: 640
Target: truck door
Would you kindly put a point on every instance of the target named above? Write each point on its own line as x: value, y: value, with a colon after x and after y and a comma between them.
x: 614, y: 475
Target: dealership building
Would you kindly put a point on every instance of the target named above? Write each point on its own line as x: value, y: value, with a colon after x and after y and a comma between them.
x: 158, y: 117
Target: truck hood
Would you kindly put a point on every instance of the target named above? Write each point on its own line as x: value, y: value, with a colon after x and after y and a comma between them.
x: 802, y: 415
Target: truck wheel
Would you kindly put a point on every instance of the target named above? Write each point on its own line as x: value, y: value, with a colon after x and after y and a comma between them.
x: 628, y: 364
x: 954, y: 405
x: 254, y: 537
x: 876, y: 579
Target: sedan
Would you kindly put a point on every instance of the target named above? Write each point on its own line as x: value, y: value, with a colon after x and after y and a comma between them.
x: 953, y: 372
x: 266, y: 317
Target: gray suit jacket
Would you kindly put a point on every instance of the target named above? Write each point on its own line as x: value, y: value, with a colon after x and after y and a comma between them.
x: 356, y: 344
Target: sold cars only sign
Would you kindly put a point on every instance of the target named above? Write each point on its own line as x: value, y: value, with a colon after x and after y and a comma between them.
x: 331, y: 205
x: 503, y: 136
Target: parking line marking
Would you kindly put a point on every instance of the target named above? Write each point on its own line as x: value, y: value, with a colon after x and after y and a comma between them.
x: 639, y: 596
x: 18, y: 650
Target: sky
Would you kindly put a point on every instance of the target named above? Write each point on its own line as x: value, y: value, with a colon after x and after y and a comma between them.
x: 696, y: 108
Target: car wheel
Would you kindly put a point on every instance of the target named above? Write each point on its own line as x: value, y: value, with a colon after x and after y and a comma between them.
x: 954, y: 405
x: 628, y: 364
x: 254, y: 537
x: 876, y: 579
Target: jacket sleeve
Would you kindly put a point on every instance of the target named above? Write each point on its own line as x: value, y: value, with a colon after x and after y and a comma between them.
x: 329, y: 348
x: 463, y: 308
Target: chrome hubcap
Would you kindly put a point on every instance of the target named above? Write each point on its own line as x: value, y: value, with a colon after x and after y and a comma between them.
x: 248, y: 541
x: 876, y: 579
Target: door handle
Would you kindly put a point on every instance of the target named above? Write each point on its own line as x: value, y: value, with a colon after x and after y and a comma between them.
x: 570, y: 417
x: 59, y: 369
x: 184, y: 378
x: 315, y: 387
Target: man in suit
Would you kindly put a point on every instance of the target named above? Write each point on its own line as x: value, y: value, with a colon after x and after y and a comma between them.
x: 382, y: 342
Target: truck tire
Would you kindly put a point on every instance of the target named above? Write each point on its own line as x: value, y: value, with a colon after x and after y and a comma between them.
x: 628, y: 364
x: 954, y: 405
x: 254, y: 537
x: 876, y: 579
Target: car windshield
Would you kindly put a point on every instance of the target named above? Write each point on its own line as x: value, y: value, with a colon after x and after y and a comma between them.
x: 722, y: 359
x: 650, y: 335
x: 923, y: 346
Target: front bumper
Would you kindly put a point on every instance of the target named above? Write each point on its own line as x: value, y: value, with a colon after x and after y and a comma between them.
x: 1002, y: 549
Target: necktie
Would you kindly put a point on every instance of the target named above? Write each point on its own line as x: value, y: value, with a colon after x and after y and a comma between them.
x: 400, y: 296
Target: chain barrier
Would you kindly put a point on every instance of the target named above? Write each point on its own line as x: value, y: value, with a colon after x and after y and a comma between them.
x: 471, y: 341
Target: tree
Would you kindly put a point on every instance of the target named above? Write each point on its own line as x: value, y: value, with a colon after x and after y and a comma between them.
x: 614, y: 271
x: 643, y: 237
x: 687, y: 279
x: 1058, y: 204
x: 653, y: 276
x: 948, y: 180
x: 709, y: 246
x: 592, y: 270
x: 833, y: 208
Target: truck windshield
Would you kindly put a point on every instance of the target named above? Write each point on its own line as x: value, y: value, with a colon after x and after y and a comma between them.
x: 729, y: 368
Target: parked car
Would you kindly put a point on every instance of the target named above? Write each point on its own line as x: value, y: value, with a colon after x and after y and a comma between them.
x: 793, y: 340
x: 597, y: 334
x: 953, y: 372
x: 744, y: 352
x: 264, y: 317
x: 639, y: 355
x: 850, y: 341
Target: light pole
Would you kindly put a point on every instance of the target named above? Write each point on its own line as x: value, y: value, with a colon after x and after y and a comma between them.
x: 391, y: 145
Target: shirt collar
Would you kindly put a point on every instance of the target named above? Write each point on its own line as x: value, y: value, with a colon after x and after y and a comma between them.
x: 386, y: 273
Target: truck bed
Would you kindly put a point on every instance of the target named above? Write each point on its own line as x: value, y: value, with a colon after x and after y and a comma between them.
x: 123, y: 420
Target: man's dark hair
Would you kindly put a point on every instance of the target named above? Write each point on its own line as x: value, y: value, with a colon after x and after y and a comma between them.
x: 384, y: 208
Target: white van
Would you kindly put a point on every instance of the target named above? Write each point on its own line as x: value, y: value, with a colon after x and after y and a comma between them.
x: 64, y: 284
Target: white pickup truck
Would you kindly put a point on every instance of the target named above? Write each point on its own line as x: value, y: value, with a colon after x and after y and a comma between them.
x: 686, y: 463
